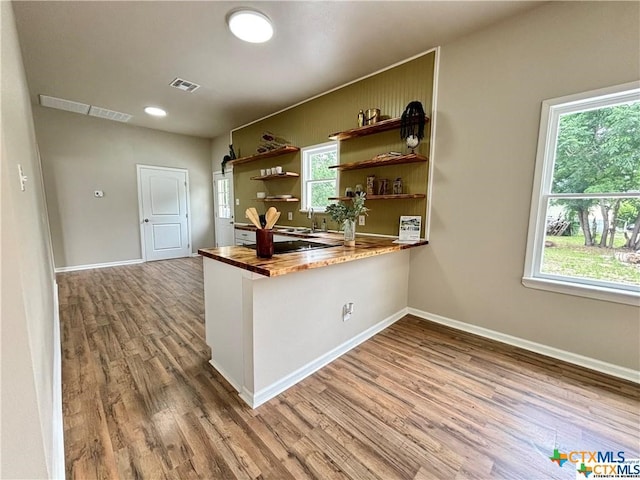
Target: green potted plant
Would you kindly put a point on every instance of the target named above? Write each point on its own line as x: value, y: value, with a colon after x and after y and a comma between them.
x: 345, y: 213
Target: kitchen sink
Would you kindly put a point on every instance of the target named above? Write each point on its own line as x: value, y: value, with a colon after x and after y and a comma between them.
x: 290, y: 246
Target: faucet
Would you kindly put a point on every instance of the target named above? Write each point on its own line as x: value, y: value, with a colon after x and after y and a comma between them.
x: 311, y: 216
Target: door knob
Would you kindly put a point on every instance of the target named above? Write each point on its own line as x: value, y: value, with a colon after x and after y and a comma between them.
x: 146, y: 220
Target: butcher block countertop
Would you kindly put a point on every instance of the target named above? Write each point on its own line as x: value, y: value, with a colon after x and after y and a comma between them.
x: 282, y: 264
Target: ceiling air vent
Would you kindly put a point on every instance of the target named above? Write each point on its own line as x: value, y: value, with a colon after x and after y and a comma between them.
x: 184, y: 85
x: 83, y: 108
x: 62, y: 104
x: 109, y: 114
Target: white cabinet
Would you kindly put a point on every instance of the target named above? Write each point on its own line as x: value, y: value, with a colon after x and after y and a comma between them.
x: 245, y: 237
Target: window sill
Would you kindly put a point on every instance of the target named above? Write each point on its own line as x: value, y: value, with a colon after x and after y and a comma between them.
x: 306, y: 210
x: 581, y: 290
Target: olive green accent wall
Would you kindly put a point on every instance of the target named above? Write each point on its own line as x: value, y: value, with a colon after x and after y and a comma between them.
x: 312, y: 122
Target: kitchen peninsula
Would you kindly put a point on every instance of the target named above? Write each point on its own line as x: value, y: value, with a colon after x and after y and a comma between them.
x: 272, y: 322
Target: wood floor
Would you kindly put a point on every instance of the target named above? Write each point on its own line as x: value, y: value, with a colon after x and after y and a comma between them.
x: 418, y: 401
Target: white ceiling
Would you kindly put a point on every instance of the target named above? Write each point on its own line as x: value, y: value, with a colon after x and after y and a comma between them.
x: 122, y: 55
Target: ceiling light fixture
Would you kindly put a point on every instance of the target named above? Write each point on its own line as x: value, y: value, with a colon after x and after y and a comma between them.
x: 155, y: 111
x: 250, y: 25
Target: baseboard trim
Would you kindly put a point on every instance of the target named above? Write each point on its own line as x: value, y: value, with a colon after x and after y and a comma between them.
x: 57, y: 454
x: 573, y: 358
x: 254, y: 400
x: 247, y: 397
x: 226, y: 376
x: 75, y: 268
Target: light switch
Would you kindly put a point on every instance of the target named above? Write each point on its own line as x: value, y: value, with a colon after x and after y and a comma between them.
x: 23, y: 178
x: 347, y: 311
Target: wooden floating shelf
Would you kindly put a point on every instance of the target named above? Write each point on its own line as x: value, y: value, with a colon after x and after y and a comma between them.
x: 378, y: 127
x: 381, y: 162
x: 271, y: 153
x: 277, y: 199
x: 401, y: 196
x: 277, y: 175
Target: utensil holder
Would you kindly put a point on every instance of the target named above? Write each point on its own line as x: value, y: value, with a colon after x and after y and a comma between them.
x: 264, y: 243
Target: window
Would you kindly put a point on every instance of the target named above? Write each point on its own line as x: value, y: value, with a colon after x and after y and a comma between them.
x: 319, y: 182
x: 584, y: 230
x: 224, y: 200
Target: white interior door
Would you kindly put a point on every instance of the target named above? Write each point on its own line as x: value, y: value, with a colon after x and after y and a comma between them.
x: 223, y: 207
x: 164, y: 216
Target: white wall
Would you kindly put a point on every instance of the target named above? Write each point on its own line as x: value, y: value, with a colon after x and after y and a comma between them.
x: 219, y: 148
x: 81, y: 154
x: 30, y: 439
x: 491, y: 87
x: 297, y: 318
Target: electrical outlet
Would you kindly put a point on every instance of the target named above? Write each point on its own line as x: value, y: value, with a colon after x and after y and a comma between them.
x: 290, y: 215
x: 360, y: 219
x: 237, y: 202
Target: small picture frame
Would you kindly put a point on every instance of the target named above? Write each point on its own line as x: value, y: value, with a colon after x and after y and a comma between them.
x: 410, y: 228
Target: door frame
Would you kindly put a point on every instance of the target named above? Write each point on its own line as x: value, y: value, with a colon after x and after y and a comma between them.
x: 140, y: 166
x: 228, y: 170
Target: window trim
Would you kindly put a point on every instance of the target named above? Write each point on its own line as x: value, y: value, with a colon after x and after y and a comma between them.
x: 304, y: 168
x: 542, y: 182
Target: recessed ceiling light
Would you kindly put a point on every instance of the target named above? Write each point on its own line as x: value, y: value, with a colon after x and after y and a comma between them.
x: 250, y: 26
x: 155, y: 111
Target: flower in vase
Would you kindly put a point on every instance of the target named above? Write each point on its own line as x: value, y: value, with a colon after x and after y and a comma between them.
x: 347, y: 210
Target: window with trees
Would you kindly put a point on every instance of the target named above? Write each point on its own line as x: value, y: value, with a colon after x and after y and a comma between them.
x: 584, y: 230
x: 319, y: 182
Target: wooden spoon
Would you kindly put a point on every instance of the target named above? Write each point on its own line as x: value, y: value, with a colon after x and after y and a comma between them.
x: 271, y: 212
x: 273, y: 221
x: 252, y: 214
